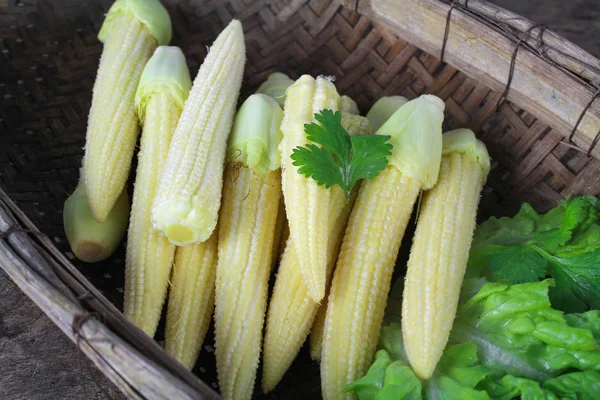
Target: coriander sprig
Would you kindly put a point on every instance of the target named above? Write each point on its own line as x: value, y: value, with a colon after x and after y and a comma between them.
x: 340, y: 159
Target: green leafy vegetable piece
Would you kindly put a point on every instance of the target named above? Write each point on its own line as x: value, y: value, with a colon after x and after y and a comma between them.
x: 581, y: 385
x: 457, y: 375
x: 387, y: 380
x: 391, y: 378
x: 518, y: 332
x: 512, y: 387
x: 584, y: 385
x: 341, y: 159
x: 507, y: 343
x: 532, y: 265
x: 563, y: 244
x: 588, y: 320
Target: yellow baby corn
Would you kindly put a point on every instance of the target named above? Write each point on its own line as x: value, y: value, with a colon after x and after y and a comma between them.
x: 306, y: 203
x: 248, y: 217
x: 275, y: 86
x: 159, y: 99
x: 383, y: 109
x: 292, y: 309
x: 92, y: 241
x: 441, y: 244
x: 130, y: 33
x: 363, y: 272
x: 189, y: 192
x: 348, y: 105
x: 191, y: 300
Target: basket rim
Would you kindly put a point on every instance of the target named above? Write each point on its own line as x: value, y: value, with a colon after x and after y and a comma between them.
x: 536, y: 69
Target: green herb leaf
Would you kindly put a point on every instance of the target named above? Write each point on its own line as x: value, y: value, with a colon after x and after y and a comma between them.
x: 563, y: 244
x: 533, y: 265
x: 341, y: 160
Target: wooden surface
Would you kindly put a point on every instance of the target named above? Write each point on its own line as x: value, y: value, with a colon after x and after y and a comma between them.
x: 138, y: 365
x: 544, y: 89
x: 37, y: 361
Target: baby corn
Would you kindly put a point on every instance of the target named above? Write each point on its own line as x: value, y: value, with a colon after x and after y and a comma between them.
x: 191, y: 300
x: 251, y: 198
x: 163, y: 88
x: 381, y: 111
x: 306, y: 203
x: 348, y: 105
x: 363, y: 272
x: 131, y: 32
x: 292, y: 309
x: 189, y: 192
x: 92, y: 241
x: 441, y: 244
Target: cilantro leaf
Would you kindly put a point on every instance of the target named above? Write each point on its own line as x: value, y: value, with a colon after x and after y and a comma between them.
x: 340, y: 159
x: 563, y: 244
x: 577, y: 281
x: 329, y: 133
x: 533, y: 265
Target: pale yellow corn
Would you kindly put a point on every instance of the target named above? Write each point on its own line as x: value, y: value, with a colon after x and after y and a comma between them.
x: 317, y: 330
x: 363, y: 272
x: 149, y: 253
x: 348, y: 105
x: 438, y: 256
x: 361, y: 281
x: 292, y: 309
x: 306, y: 203
x: 189, y: 194
x: 246, y: 235
x: 160, y: 96
x: 356, y: 125
x: 191, y: 300
x: 113, y: 126
x: 281, y: 233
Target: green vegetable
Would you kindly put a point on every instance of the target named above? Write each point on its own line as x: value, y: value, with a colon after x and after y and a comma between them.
x: 519, y: 333
x: 343, y: 159
x: 563, y: 244
x: 576, y: 385
x: 507, y: 342
x: 588, y: 320
x: 455, y: 378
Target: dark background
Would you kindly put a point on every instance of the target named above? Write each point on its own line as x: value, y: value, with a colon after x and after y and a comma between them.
x: 38, y: 362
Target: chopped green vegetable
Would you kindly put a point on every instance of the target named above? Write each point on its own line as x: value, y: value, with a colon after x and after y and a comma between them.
x: 563, y: 244
x: 343, y: 159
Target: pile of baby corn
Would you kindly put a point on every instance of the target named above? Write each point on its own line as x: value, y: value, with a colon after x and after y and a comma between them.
x: 217, y: 205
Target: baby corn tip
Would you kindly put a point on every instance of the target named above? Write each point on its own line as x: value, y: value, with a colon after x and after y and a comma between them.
x: 89, y: 251
x: 179, y: 233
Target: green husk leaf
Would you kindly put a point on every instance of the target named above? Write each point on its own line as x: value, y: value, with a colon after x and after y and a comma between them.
x: 165, y: 72
x: 383, y: 109
x: 151, y: 13
x: 416, y: 136
x: 256, y: 135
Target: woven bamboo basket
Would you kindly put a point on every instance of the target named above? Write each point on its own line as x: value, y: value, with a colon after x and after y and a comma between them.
x: 528, y: 93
